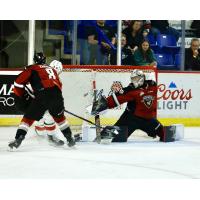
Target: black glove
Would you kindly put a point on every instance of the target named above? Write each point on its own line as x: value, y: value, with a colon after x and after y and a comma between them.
x: 22, y: 103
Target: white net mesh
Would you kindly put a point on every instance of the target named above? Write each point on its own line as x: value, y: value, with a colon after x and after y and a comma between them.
x: 78, y: 85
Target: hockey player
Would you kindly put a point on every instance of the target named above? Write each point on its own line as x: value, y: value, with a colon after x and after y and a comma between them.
x: 47, y: 125
x: 48, y: 96
x: 140, y: 113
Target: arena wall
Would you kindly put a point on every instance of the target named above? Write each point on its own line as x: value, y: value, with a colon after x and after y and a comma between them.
x: 178, y: 97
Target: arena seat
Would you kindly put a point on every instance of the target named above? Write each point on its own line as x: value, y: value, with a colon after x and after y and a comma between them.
x: 165, y: 61
x: 177, y: 60
x: 167, y: 44
x: 152, y: 41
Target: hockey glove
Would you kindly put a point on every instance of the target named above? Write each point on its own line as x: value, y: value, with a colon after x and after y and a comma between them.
x: 99, y: 105
x: 22, y: 103
x: 117, y: 87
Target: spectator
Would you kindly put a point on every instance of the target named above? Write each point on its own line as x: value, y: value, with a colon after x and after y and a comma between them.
x: 100, y: 38
x: 134, y: 34
x: 192, y: 55
x: 196, y: 25
x: 144, y: 55
x: 83, y: 41
x: 162, y: 26
x: 126, y: 53
x: 125, y: 24
x: 147, y: 25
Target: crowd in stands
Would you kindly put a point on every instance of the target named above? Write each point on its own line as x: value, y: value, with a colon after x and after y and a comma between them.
x: 192, y: 56
x: 142, y: 43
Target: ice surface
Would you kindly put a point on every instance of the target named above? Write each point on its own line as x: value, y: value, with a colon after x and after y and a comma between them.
x: 141, y: 157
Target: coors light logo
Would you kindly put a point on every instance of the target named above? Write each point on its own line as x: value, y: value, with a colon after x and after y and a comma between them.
x: 173, y: 98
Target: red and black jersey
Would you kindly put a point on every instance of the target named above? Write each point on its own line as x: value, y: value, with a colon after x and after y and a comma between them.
x: 142, y: 102
x: 39, y: 76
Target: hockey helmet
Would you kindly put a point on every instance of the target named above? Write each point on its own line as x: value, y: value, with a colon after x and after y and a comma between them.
x: 137, y: 78
x: 39, y: 58
x: 57, y: 65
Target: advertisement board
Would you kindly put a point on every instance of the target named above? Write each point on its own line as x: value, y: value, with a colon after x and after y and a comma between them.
x: 7, y: 103
x: 178, y: 94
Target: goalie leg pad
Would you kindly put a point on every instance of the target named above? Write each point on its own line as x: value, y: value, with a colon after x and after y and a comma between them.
x: 168, y: 134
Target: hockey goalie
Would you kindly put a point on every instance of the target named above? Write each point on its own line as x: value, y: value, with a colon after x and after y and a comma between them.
x: 140, y: 112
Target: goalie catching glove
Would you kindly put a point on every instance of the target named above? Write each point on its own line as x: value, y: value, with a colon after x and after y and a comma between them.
x: 117, y: 87
x: 99, y: 105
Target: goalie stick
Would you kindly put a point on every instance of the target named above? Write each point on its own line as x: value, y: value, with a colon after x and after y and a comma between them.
x: 97, y: 117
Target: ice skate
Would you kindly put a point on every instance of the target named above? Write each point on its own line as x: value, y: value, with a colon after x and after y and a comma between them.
x: 71, y: 142
x: 77, y: 137
x: 55, y: 141
x: 16, y: 143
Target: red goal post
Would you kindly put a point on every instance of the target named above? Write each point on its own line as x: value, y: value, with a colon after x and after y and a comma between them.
x: 79, y: 82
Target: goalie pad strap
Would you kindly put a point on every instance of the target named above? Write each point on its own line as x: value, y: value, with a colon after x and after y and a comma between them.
x: 50, y: 128
x: 40, y: 128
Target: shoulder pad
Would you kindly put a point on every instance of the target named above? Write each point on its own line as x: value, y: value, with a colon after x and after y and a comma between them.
x: 28, y: 66
x: 129, y: 88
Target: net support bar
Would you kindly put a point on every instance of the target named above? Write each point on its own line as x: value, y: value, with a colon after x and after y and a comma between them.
x: 31, y: 41
x: 119, y: 48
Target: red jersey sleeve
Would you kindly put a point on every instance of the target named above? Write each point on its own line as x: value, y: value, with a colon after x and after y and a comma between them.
x: 23, y: 78
x: 21, y: 81
x: 122, y: 98
x: 145, y: 100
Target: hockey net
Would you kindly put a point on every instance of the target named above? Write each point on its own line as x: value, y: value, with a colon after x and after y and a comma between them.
x: 79, y: 83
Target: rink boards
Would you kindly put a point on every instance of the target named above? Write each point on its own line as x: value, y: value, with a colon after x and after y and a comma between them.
x: 178, y: 96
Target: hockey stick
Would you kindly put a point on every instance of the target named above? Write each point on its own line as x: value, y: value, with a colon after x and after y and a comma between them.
x: 111, y: 131
x: 97, y: 117
x: 83, y: 119
x: 97, y: 120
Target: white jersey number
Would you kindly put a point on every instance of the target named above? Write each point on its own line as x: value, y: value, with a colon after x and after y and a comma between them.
x: 51, y: 73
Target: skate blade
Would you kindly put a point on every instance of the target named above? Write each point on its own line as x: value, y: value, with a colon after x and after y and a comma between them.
x: 70, y: 147
x: 11, y: 149
x: 56, y: 146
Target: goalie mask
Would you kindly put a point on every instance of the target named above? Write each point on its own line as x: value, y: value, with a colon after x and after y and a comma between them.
x: 57, y: 65
x: 137, y: 78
